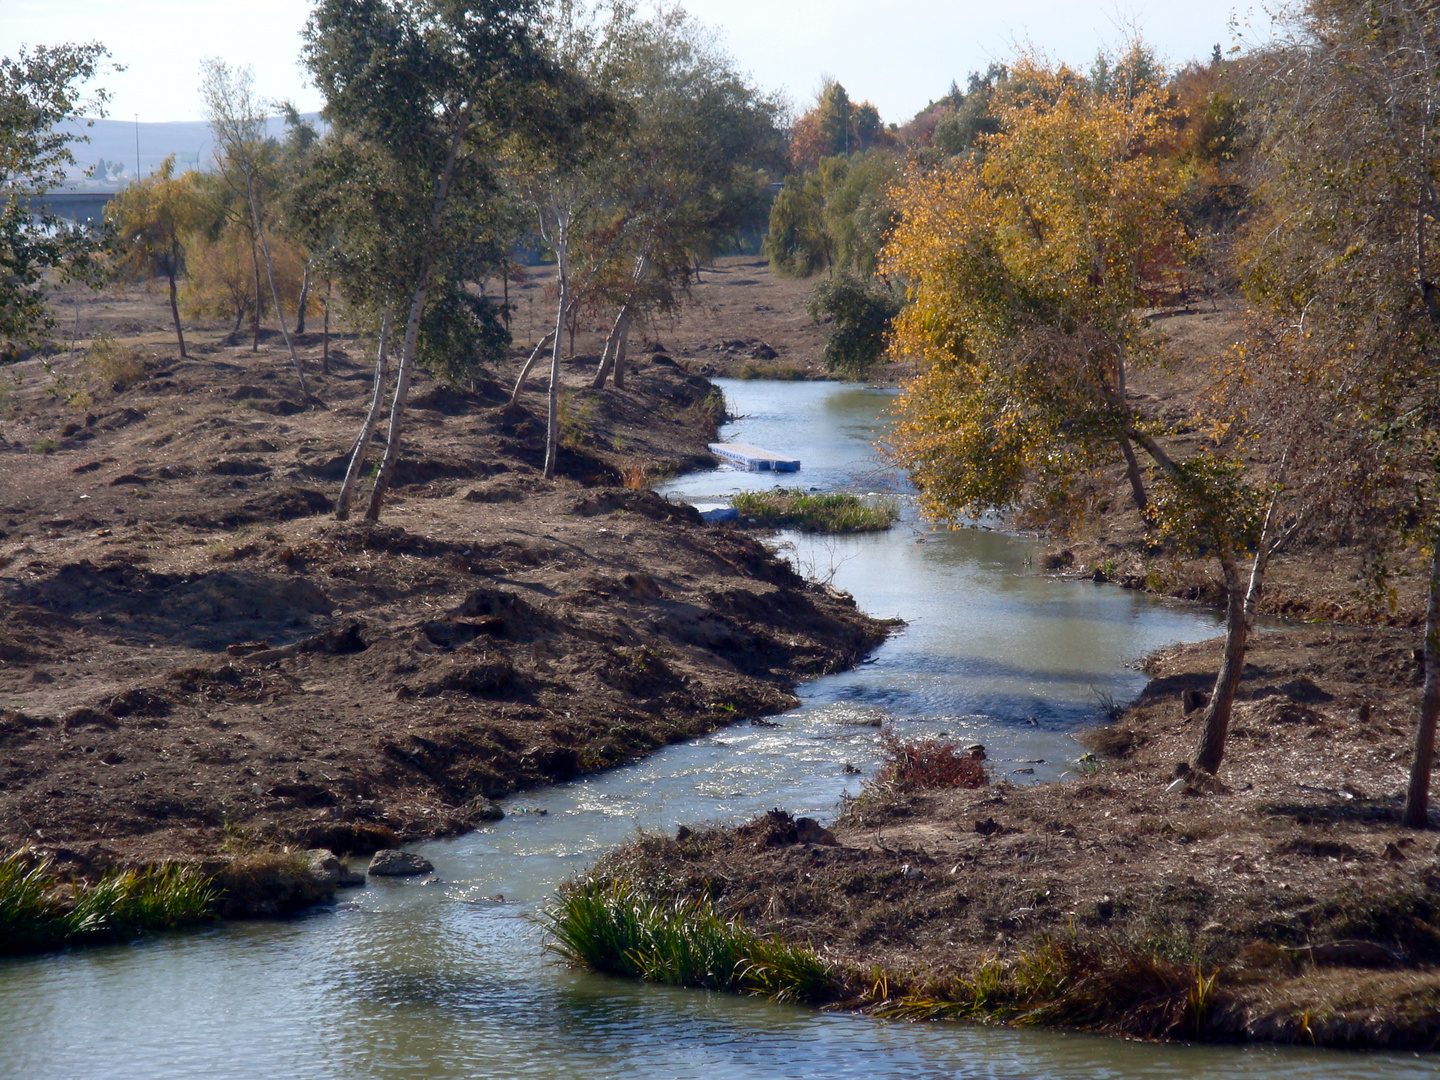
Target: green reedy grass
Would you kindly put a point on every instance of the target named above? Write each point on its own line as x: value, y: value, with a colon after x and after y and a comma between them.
x: 614, y: 928
x: 817, y: 512
x: 37, y: 913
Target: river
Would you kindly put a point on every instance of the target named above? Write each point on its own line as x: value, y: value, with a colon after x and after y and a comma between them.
x: 450, y: 980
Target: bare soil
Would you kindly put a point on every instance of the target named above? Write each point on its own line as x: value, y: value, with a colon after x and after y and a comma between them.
x: 194, y: 654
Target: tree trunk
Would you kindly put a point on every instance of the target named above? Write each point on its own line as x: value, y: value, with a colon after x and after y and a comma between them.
x: 1417, y: 792
x: 367, y: 430
x: 274, y: 292
x: 412, y: 324
x: 607, y: 354
x: 402, y: 391
x: 175, y: 314
x: 239, y: 318
x: 529, y: 363
x: 255, y: 314
x: 1132, y: 473
x: 552, y: 412
x: 325, y: 333
x: 304, y: 299
x: 574, y: 320
x: 622, y: 347
x: 1211, y: 750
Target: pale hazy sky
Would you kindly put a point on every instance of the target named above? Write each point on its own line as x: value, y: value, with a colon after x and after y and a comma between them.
x: 897, y: 53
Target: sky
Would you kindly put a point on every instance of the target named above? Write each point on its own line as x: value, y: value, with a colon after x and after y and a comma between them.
x: 899, y: 54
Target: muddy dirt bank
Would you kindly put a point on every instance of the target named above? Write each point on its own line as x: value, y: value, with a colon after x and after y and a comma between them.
x: 1289, y: 887
x: 195, y: 656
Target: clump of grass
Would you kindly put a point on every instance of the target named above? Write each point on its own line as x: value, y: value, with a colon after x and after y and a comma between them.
x: 613, y: 927
x: 755, y: 369
x: 116, y: 366
x: 926, y: 764
x: 817, y: 512
x: 1066, y: 983
x: 38, y: 911
x: 29, y: 916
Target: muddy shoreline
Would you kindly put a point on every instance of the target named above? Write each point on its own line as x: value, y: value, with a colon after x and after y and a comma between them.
x: 198, y: 661
x: 1287, y: 896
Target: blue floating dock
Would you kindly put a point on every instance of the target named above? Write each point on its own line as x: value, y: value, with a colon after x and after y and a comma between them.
x: 753, y: 458
x: 720, y: 516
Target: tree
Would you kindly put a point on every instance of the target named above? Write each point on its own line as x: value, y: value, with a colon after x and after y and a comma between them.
x: 687, y: 169
x: 1346, y: 251
x: 834, y: 127
x: 150, y: 221
x: 239, y: 127
x: 861, y: 313
x: 39, y: 90
x: 1024, y: 273
x: 420, y: 95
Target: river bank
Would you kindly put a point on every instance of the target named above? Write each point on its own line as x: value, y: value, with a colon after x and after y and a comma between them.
x: 1284, y: 904
x: 199, y: 661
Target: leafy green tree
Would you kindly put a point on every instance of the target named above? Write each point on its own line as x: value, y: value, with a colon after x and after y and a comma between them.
x: 420, y: 95
x: 688, y: 169
x: 150, y: 222
x: 860, y: 313
x: 39, y: 90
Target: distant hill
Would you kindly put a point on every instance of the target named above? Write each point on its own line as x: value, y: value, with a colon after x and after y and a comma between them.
x: 113, y: 142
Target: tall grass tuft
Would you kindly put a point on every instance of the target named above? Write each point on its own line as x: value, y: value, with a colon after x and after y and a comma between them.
x: 30, y: 919
x: 612, y: 927
x: 39, y: 912
x: 817, y: 512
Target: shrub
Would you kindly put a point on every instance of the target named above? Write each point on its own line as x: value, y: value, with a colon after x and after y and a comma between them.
x: 923, y: 764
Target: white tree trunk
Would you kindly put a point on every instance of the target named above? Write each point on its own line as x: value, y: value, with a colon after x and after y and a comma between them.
x: 367, y: 430
x: 530, y: 363
x: 552, y: 417
x: 270, y: 273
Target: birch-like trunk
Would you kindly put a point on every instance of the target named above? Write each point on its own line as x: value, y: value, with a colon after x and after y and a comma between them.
x: 412, y: 324
x: 552, y: 411
x: 367, y: 430
x: 270, y: 273
x: 607, y: 354
x: 530, y: 363
x: 622, y: 349
x: 255, y: 315
x: 1417, y: 792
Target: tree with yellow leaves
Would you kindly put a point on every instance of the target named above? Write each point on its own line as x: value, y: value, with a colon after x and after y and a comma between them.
x: 1025, y: 272
x: 150, y: 221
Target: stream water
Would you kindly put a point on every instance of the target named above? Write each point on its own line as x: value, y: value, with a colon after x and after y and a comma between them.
x: 405, y: 980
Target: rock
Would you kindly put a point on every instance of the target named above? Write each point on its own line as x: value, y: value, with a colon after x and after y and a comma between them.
x: 349, y: 879
x: 323, y: 869
x: 976, y: 751
x: 392, y: 863
x: 481, y: 809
